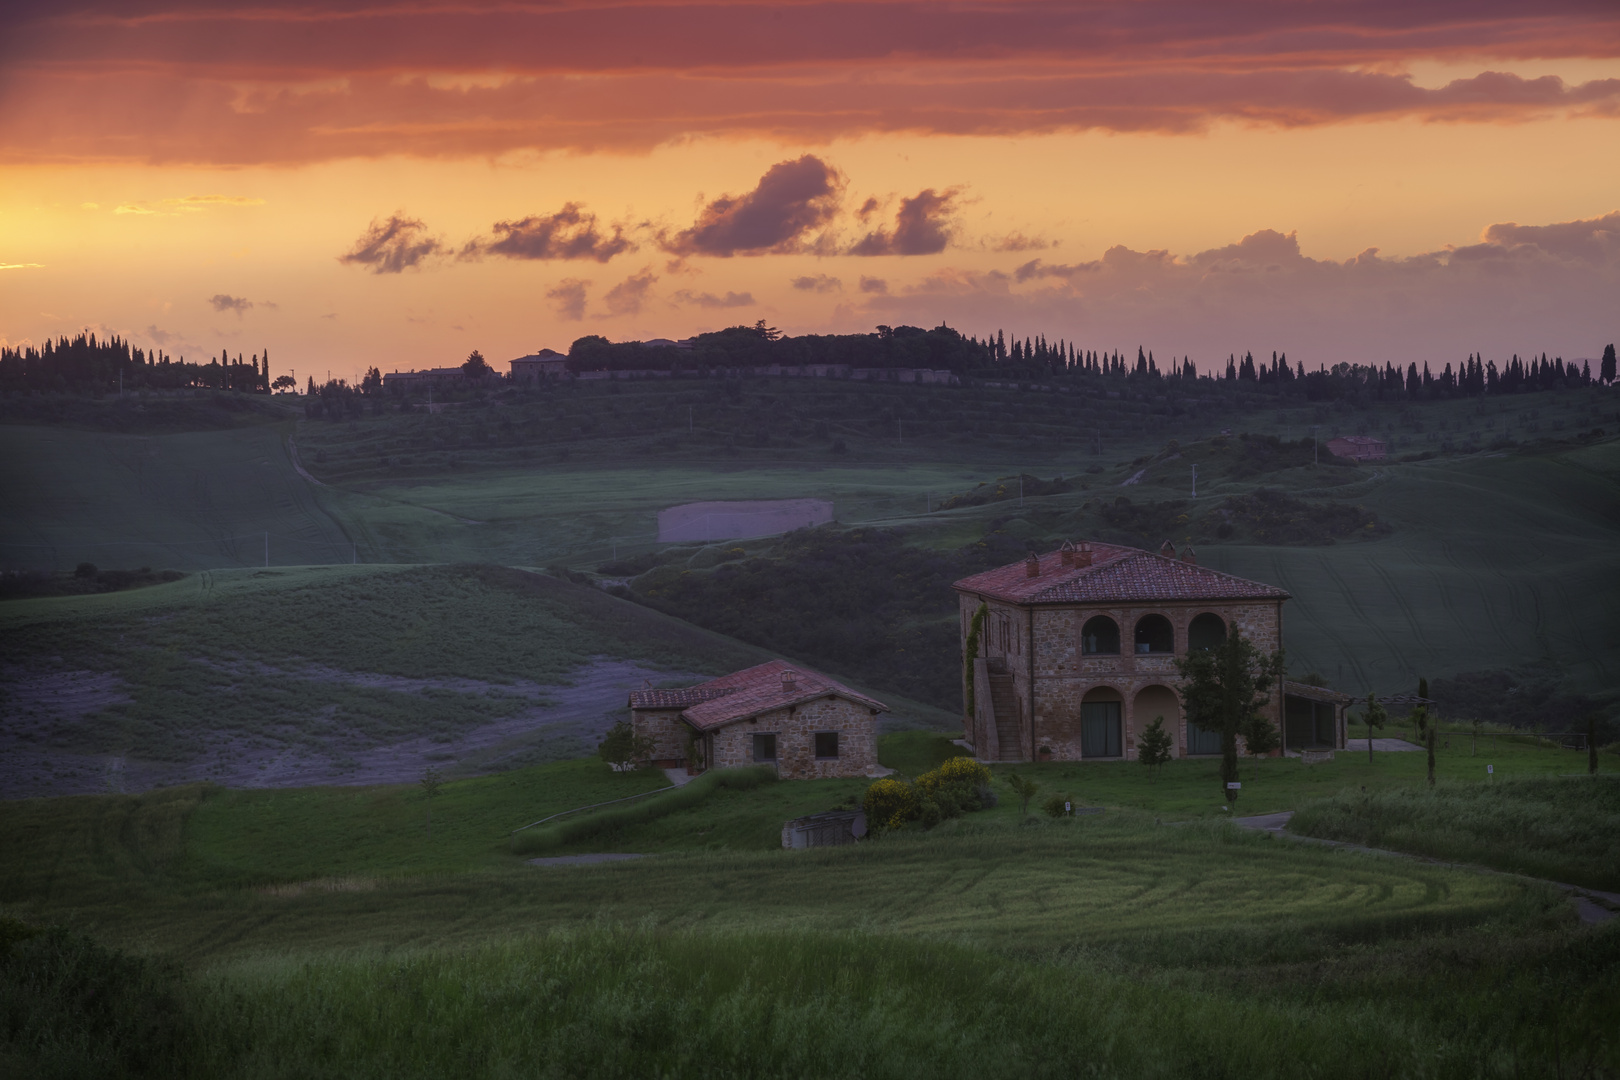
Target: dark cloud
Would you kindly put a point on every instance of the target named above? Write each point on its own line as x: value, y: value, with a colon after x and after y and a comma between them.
x: 394, y: 245
x: 629, y: 296
x: 568, y: 298
x: 818, y: 283
x: 922, y: 227
x: 793, y: 199
x: 709, y: 300
x: 874, y: 285
x: 239, y: 304
x: 868, y: 208
x: 570, y: 233
x: 1017, y: 241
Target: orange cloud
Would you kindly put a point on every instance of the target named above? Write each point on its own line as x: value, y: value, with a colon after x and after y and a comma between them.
x: 393, y: 246
x: 792, y: 200
x: 170, y: 84
x: 570, y: 233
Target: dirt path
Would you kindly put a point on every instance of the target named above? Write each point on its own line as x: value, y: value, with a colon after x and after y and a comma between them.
x: 1593, y: 906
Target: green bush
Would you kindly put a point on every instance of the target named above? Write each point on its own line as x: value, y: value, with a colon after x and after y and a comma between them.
x: 890, y: 803
x: 1056, y: 805
x: 559, y: 834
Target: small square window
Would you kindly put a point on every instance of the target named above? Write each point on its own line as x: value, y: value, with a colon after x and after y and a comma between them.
x: 826, y: 744
x: 765, y: 747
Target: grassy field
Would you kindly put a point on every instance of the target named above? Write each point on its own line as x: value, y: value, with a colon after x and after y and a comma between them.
x: 1561, y: 829
x: 327, y: 931
x: 1109, y: 944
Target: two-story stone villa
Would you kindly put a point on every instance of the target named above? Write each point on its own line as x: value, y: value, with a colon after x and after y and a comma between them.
x: 1077, y: 653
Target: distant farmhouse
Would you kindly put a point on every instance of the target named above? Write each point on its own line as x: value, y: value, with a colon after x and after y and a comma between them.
x: 421, y: 380
x: 1078, y: 649
x: 539, y: 367
x: 1357, y: 447
x: 807, y: 725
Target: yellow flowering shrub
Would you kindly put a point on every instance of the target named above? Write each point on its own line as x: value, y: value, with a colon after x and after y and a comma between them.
x: 889, y: 803
x: 956, y: 772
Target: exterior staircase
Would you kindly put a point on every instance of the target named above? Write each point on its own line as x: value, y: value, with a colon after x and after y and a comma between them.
x: 1004, y: 705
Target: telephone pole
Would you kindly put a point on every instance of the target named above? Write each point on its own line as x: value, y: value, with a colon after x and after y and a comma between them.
x: 1195, y: 481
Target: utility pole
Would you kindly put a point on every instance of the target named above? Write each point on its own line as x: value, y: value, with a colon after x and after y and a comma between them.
x: 1315, y: 457
x: 1195, y: 481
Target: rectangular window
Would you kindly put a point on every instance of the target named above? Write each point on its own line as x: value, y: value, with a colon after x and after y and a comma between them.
x: 1099, y: 729
x: 826, y: 744
x: 765, y: 747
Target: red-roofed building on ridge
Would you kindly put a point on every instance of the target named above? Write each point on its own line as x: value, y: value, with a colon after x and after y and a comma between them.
x: 809, y: 726
x: 1078, y: 649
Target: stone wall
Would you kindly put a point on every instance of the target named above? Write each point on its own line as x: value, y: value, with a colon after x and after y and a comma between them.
x: 667, y: 731
x: 795, y: 729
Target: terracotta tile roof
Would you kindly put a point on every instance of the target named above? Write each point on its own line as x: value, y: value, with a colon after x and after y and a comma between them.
x: 1118, y: 575
x: 677, y: 699
x: 747, y: 693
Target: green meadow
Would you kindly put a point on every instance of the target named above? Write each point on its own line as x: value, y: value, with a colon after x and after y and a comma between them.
x: 330, y: 932
x: 431, y: 579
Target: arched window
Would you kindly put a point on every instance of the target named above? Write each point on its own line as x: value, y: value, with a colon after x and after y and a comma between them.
x: 1205, y: 632
x: 1099, y: 637
x: 1155, y: 635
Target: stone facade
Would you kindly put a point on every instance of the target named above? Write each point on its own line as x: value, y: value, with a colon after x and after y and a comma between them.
x: 1035, y: 646
x: 821, y: 727
x: 667, y: 732
x: 795, y: 728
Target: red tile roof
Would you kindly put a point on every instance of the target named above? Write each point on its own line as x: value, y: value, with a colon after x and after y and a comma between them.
x: 747, y: 693
x: 1116, y: 575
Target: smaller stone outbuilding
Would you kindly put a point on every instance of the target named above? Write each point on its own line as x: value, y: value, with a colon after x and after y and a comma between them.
x: 809, y: 726
x: 1357, y: 448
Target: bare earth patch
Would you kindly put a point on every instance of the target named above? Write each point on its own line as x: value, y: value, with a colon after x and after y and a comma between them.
x: 556, y: 722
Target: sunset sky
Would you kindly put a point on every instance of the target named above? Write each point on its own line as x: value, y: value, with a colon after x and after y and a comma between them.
x: 389, y: 183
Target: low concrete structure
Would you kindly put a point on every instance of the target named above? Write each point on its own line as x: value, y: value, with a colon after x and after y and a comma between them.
x: 830, y: 829
x: 1357, y: 447
x: 809, y: 726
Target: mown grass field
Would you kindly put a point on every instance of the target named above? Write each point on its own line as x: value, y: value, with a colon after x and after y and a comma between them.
x: 1110, y: 945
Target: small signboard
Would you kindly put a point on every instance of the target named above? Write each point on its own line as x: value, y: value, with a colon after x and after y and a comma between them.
x: 1231, y: 784
x: 1490, y: 769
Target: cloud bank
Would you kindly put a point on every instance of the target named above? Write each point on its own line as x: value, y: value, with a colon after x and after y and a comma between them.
x: 167, y: 81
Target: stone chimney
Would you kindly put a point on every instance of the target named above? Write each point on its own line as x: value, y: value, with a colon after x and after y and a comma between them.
x: 1189, y: 555
x: 1083, y: 556
x: 1066, y: 554
x: 1032, y: 566
x: 1168, y: 550
x: 789, y: 683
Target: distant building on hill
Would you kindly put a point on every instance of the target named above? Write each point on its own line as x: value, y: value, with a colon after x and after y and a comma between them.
x: 807, y: 725
x: 411, y: 380
x: 1077, y: 655
x: 1357, y: 447
x: 540, y: 366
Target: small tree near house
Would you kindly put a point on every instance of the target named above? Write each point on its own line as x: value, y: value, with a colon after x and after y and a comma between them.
x: 1153, y: 746
x: 1259, y: 735
x: 623, y: 749
x: 1374, y: 717
x: 1024, y: 789
x: 1223, y: 689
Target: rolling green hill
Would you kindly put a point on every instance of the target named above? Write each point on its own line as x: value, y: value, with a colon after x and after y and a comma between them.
x: 1481, y: 560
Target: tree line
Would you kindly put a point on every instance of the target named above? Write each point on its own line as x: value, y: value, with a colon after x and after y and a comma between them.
x: 90, y: 365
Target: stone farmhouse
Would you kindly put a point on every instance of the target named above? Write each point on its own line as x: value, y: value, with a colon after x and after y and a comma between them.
x: 807, y: 725
x: 1077, y: 654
